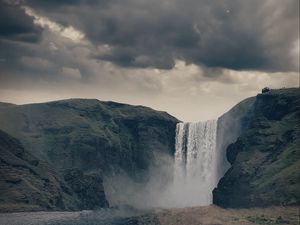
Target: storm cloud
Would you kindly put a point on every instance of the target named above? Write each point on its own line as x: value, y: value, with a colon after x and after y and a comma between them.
x: 234, y: 34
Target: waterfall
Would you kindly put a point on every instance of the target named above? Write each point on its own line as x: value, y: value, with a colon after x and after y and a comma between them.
x: 195, y: 169
x: 200, y: 161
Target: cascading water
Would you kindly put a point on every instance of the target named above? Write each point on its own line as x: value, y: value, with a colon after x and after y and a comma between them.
x: 195, y: 169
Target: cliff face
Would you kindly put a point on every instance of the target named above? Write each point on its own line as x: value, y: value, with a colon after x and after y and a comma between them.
x: 84, y: 140
x: 265, y: 157
x: 230, y: 127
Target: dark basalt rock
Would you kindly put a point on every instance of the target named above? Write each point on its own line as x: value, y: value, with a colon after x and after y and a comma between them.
x: 265, y: 158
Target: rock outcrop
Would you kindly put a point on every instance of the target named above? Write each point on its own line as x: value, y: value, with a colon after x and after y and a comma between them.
x: 265, y: 157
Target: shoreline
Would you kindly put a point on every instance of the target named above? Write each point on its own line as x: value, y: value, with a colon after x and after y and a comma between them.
x: 206, y: 215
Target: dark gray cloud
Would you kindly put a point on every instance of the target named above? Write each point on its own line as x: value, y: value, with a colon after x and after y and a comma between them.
x: 235, y: 34
x: 15, y: 24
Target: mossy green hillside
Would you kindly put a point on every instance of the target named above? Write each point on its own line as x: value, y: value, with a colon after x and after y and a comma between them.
x: 80, y: 141
x: 265, y: 158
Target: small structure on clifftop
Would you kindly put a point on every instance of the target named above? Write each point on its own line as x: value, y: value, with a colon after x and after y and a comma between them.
x: 265, y: 89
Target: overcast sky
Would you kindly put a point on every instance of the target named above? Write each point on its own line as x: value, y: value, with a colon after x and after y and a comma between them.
x: 194, y: 58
